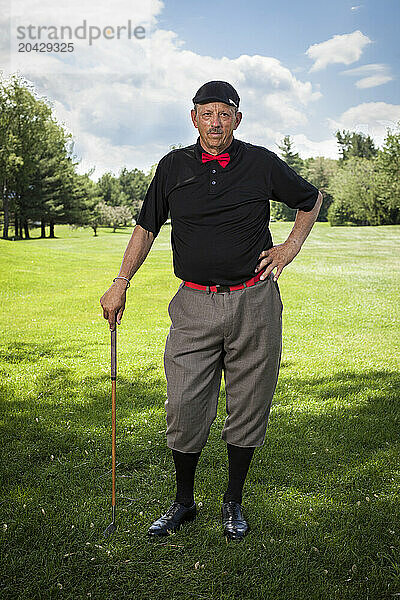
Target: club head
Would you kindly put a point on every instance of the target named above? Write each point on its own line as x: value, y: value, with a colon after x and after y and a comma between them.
x: 110, y: 529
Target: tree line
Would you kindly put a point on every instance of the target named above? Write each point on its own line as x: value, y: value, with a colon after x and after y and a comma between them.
x: 39, y: 182
x: 40, y: 185
x: 362, y: 187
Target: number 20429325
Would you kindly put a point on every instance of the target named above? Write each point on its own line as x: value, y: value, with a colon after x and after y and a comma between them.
x: 46, y: 47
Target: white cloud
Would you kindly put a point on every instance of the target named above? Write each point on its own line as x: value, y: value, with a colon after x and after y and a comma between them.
x: 308, y: 148
x: 126, y: 104
x: 372, y: 75
x: 371, y: 118
x: 344, y: 49
x: 48, y: 12
x: 373, y: 81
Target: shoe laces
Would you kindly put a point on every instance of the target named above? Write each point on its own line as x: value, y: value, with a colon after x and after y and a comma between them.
x: 232, y: 510
x: 172, y: 509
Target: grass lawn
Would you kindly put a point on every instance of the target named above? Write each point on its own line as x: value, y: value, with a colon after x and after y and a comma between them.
x: 322, y: 494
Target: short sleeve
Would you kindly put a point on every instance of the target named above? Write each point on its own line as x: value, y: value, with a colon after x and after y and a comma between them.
x: 289, y: 187
x: 154, y: 211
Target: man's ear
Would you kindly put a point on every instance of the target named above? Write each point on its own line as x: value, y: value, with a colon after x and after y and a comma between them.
x: 238, y: 119
x: 194, y: 117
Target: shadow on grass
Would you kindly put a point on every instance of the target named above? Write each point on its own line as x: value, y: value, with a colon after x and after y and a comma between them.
x: 29, y: 239
x: 25, y: 352
x: 315, y: 424
x: 327, y: 439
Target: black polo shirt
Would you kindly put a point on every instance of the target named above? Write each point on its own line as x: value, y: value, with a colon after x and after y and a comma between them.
x: 220, y: 216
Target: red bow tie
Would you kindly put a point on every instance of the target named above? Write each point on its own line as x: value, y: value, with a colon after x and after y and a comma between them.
x: 223, y: 159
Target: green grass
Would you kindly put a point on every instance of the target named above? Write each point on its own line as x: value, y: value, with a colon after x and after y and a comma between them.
x: 322, y: 494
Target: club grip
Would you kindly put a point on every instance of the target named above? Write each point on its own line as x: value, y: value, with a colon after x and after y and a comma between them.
x: 114, y: 353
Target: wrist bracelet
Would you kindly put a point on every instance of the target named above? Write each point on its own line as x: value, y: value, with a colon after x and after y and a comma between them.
x: 125, y: 278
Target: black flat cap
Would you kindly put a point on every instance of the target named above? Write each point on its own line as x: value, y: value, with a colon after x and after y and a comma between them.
x: 217, y: 91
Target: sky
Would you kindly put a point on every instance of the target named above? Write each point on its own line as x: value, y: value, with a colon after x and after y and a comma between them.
x: 304, y: 69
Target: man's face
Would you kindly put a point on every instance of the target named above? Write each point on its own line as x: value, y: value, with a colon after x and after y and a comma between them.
x: 216, y: 122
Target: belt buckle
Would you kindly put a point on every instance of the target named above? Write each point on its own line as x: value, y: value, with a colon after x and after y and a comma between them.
x: 222, y: 288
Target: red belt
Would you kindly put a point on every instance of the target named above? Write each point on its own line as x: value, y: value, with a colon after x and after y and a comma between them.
x: 225, y: 288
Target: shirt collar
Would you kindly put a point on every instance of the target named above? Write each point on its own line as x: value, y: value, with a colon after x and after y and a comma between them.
x: 231, y: 149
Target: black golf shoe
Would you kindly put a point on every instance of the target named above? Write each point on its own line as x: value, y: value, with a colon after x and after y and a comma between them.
x: 171, y: 521
x: 233, y: 521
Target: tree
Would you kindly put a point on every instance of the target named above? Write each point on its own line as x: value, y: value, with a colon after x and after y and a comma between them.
x: 36, y: 169
x: 388, y: 166
x: 50, y: 196
x: 366, y: 191
x: 319, y: 171
x: 279, y: 210
x: 10, y: 158
x: 22, y: 117
x: 32, y: 133
x: 352, y: 143
x: 133, y: 185
x: 355, y: 190
x: 291, y: 158
x: 152, y: 172
x: 110, y: 189
x: 115, y: 216
x: 88, y: 198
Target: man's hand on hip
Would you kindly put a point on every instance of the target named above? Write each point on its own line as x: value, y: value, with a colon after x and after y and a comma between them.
x: 278, y: 256
x: 113, y: 302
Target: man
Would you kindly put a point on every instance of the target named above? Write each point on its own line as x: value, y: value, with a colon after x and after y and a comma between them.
x: 227, y: 312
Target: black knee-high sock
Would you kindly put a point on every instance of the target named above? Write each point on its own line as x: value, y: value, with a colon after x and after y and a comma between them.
x: 239, y: 459
x: 185, y: 469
